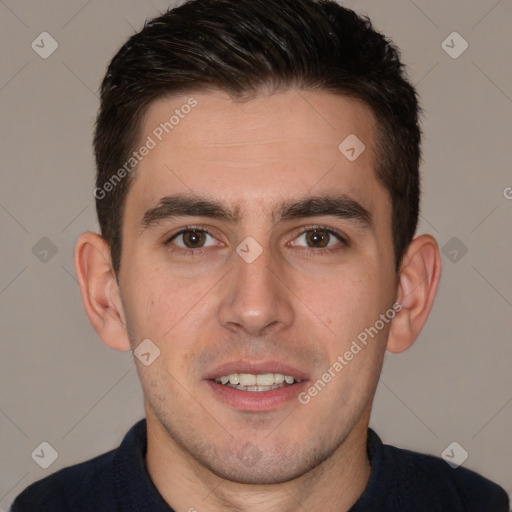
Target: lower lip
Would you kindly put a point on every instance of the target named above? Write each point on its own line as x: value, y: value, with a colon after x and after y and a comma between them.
x: 256, y: 400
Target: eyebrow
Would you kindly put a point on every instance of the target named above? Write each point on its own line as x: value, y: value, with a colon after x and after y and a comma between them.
x: 340, y: 206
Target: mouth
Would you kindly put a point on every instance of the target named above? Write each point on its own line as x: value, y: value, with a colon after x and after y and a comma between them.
x: 257, y: 382
x: 255, y: 386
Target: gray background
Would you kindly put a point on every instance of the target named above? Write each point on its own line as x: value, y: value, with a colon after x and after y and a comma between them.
x: 59, y: 384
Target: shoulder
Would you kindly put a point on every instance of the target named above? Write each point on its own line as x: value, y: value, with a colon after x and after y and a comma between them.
x: 443, y: 487
x: 95, y: 485
x: 85, y: 484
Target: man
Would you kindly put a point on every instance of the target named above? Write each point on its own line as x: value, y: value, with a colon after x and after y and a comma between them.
x: 258, y: 197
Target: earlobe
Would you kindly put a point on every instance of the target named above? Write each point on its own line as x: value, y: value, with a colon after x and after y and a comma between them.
x: 99, y: 289
x: 418, y: 282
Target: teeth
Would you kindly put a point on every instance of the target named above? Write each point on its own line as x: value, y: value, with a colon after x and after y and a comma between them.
x: 278, y: 378
x: 265, y: 379
x: 260, y: 388
x: 246, y: 379
x: 256, y: 381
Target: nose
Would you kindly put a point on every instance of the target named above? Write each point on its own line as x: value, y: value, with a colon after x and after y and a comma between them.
x: 255, y: 298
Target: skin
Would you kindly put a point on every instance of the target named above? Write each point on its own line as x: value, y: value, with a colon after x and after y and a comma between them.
x: 297, y: 302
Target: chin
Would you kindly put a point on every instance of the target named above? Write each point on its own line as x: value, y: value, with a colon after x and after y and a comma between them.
x: 278, y: 473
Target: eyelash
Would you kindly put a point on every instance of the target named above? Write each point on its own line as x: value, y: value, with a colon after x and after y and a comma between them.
x: 319, y: 251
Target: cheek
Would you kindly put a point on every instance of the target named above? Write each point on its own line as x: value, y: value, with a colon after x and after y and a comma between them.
x: 347, y: 302
x: 172, y: 311
x: 147, y: 296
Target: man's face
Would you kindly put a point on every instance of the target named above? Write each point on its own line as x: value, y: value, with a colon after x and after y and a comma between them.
x: 292, y: 309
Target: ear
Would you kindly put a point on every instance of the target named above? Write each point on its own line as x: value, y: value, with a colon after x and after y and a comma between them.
x: 100, y: 291
x: 419, y: 277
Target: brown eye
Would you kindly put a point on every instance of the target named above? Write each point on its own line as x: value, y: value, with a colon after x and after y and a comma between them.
x: 192, y: 239
x: 318, y: 238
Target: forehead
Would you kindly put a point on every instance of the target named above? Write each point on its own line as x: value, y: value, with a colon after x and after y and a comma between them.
x: 256, y: 152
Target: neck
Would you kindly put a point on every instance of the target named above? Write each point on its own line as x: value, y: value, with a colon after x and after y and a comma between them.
x: 186, y: 485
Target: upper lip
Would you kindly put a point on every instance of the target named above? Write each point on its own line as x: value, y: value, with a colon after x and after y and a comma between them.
x: 255, y: 368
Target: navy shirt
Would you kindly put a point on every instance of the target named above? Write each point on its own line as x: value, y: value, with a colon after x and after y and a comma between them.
x: 400, y: 480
